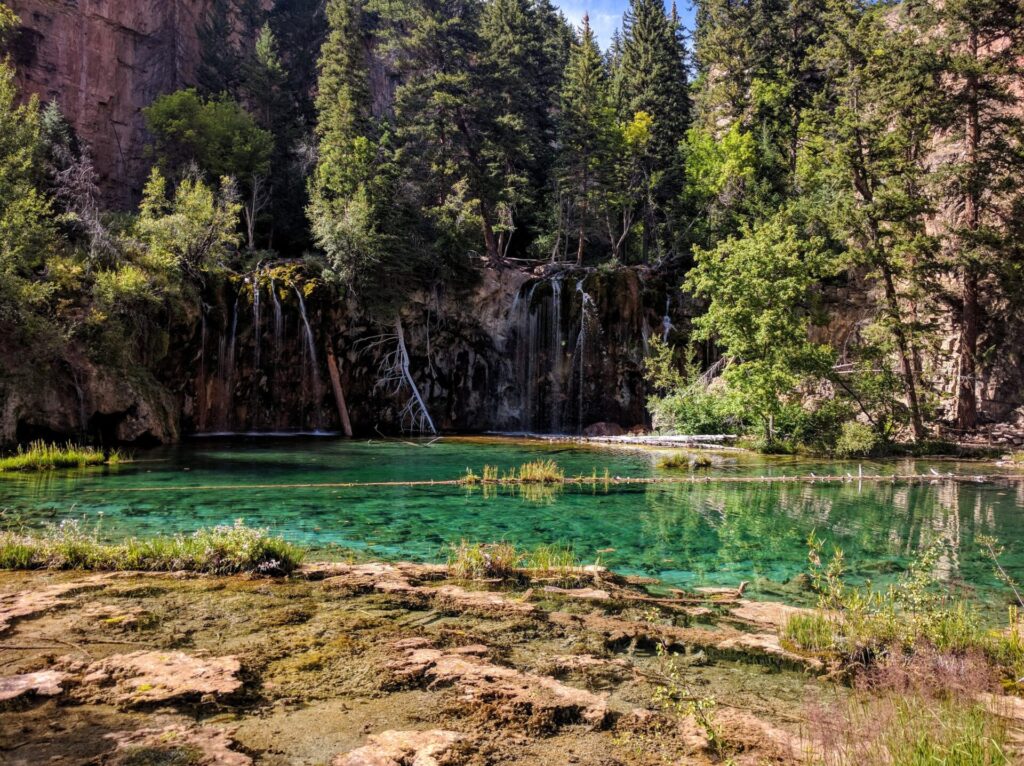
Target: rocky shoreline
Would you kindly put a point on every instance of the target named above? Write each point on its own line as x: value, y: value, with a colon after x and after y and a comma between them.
x: 395, y: 664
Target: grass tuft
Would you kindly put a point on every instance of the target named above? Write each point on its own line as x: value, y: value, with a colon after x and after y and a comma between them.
x: 485, y: 561
x: 40, y: 456
x: 222, y: 550
x: 809, y: 632
x: 479, y: 561
x: 689, y: 460
x: 535, y: 472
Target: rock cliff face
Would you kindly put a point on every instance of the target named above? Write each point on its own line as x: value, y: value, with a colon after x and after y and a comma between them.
x: 102, y: 61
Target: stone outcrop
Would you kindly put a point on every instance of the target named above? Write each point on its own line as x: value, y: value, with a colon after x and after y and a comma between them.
x: 27, y: 603
x: 103, y: 61
x: 79, y: 398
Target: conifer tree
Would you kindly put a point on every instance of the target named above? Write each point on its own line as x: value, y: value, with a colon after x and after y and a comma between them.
x: 586, y: 135
x: 862, y: 167
x: 445, y: 112
x: 651, y: 80
x: 522, y: 88
x: 981, y: 177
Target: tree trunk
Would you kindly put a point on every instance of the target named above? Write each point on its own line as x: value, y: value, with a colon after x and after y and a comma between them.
x: 339, y: 392
x: 906, y: 358
x: 967, y: 400
x: 970, y: 317
x: 490, y: 241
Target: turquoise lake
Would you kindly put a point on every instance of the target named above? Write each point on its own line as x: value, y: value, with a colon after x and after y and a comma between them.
x: 711, y: 533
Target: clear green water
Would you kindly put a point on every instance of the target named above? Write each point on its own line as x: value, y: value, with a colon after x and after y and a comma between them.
x: 710, y: 533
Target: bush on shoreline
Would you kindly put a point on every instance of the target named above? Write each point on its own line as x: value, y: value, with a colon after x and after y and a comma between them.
x: 222, y: 550
x: 40, y: 456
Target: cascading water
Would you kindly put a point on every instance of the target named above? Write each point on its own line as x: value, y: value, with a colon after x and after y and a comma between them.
x: 257, y: 323
x: 587, y: 313
x: 556, y: 356
x: 278, y: 321
x: 312, y: 368
x: 544, y: 355
x: 666, y: 321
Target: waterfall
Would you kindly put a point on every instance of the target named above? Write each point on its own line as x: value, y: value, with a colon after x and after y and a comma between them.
x: 666, y: 321
x: 278, y: 321
x: 309, y: 355
x: 257, y: 334
x: 556, y: 355
x: 526, y: 353
x: 228, y: 368
x: 587, y: 309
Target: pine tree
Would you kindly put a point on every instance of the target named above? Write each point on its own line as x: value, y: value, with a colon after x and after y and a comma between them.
x: 522, y: 89
x: 445, y: 112
x: 586, y: 135
x: 651, y: 79
x: 345, y: 211
x: 757, y: 70
x: 862, y: 167
x: 981, y: 178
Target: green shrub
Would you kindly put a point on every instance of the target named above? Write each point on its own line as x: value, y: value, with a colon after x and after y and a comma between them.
x: 219, y: 550
x: 856, y: 440
x: 695, y: 409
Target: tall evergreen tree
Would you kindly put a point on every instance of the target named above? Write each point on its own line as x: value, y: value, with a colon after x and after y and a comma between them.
x: 651, y: 79
x: 445, y: 113
x: 982, y: 177
x: 523, y: 87
x: 863, y: 165
x: 586, y: 136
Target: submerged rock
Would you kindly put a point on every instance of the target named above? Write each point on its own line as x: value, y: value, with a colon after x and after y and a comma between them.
x: 403, y: 748
x: 517, y: 695
x: 31, y: 602
x: 194, y: 745
x: 143, y: 678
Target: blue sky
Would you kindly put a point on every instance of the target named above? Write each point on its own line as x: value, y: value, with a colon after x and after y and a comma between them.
x: 606, y: 15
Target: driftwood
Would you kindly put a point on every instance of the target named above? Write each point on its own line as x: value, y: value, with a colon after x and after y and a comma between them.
x: 339, y: 392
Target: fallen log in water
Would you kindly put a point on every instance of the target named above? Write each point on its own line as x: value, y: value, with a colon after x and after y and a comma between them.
x: 595, y: 481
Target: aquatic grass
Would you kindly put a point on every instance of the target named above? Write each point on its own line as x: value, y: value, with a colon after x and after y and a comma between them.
x: 478, y: 561
x: 221, y: 550
x: 485, y: 561
x: 534, y: 472
x: 689, y: 460
x: 540, y: 472
x: 558, y: 559
x: 41, y: 456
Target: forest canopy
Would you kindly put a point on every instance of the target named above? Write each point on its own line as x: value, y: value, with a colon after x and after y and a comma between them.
x: 776, y: 151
